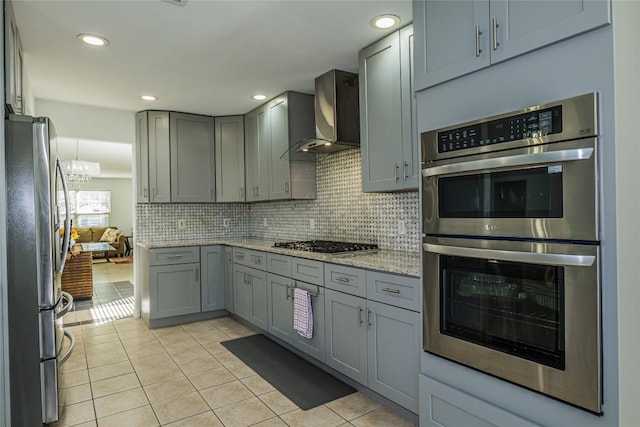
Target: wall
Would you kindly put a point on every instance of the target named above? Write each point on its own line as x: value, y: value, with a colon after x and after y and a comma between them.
x: 121, y: 200
x: 341, y: 212
x: 561, y: 70
x: 626, y: 33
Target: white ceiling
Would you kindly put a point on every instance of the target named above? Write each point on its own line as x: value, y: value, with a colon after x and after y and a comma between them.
x: 205, y: 57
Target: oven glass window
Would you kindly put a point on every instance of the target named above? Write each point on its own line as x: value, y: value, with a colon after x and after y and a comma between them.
x: 512, y: 307
x: 525, y: 193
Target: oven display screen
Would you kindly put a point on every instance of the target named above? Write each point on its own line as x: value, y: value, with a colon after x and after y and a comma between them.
x: 534, y: 124
x: 511, y: 307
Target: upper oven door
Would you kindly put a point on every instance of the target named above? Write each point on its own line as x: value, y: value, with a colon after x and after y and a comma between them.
x: 539, y: 192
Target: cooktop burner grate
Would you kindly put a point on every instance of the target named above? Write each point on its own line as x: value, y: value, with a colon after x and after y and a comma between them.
x: 326, y: 246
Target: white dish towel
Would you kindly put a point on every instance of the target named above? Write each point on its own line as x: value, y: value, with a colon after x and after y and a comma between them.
x: 302, y: 314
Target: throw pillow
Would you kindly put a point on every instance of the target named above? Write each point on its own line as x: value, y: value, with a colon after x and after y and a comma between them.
x: 110, y: 235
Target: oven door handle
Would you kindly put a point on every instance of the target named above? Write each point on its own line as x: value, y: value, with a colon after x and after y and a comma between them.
x: 528, y: 257
x: 510, y: 161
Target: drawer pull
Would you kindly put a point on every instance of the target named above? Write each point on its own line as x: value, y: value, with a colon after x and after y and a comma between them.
x: 256, y: 259
x: 368, y: 318
x: 174, y: 256
x: 360, y: 321
x: 342, y: 279
x: 239, y: 256
x: 391, y: 291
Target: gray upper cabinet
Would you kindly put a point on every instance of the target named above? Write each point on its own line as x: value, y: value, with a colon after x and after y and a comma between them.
x: 454, y: 38
x: 212, y: 277
x: 192, y: 158
x: 273, y: 173
x: 153, y: 157
x: 142, y: 157
x: 387, y: 118
x: 13, y: 63
x: 229, y: 142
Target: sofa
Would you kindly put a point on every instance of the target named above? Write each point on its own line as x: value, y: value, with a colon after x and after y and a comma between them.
x: 93, y: 234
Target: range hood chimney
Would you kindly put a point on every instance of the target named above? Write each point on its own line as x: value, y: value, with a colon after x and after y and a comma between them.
x: 337, y: 114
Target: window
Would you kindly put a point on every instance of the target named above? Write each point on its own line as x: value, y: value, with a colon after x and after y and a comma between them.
x: 89, y: 208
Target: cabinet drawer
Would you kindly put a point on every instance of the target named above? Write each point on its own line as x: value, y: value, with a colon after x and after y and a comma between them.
x: 346, y: 279
x: 279, y: 264
x: 250, y: 258
x: 401, y: 291
x: 168, y: 256
x: 307, y: 270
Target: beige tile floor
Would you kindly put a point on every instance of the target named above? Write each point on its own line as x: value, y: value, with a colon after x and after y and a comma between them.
x: 123, y: 374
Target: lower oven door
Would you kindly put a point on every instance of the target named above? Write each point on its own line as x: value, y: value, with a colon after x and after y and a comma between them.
x: 538, y: 192
x: 527, y: 312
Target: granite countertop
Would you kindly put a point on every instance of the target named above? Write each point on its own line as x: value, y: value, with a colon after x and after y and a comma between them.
x: 399, y: 262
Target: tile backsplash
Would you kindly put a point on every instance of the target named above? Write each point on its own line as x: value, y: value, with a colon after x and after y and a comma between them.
x: 341, y: 211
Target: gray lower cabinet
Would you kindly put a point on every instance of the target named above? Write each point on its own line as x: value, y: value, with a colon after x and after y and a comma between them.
x: 174, y: 290
x: 393, y: 342
x: 250, y: 294
x: 346, y: 334
x: 212, y: 262
x: 445, y: 406
x: 314, y: 346
x: 228, y: 279
x: 280, y: 303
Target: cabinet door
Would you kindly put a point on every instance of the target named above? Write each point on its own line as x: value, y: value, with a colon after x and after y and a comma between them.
x: 346, y: 335
x: 192, y: 158
x: 262, y: 162
x: 452, y: 39
x: 212, y: 262
x: 251, y: 155
x: 259, y: 312
x: 522, y: 26
x: 159, y: 157
x: 279, y: 173
x: 241, y: 292
x: 410, y: 157
x: 314, y: 346
x: 228, y: 279
x: 381, y: 115
x: 142, y: 157
x: 174, y: 290
x: 280, y: 307
x: 229, y: 141
x: 393, y: 349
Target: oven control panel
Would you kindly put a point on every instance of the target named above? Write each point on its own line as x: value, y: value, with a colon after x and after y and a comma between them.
x: 532, y: 124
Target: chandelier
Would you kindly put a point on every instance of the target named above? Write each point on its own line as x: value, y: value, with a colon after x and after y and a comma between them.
x: 80, y: 171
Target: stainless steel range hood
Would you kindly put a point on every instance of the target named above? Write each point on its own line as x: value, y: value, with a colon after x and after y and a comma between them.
x: 337, y: 114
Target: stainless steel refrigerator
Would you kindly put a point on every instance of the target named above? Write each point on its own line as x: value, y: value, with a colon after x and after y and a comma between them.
x: 37, y: 209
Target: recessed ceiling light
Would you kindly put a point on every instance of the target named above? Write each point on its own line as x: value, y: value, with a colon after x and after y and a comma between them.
x: 384, y: 22
x: 93, y: 40
x: 259, y: 97
x: 149, y: 97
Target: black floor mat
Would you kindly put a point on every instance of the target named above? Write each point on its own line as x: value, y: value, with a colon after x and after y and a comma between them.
x: 303, y: 383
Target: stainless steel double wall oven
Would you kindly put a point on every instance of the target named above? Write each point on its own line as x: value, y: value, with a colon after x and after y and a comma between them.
x: 511, y: 248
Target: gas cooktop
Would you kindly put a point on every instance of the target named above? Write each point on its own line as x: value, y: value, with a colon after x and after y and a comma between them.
x: 326, y: 246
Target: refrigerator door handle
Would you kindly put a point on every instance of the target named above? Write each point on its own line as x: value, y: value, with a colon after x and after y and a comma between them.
x: 67, y: 216
x: 72, y: 343
x: 67, y: 300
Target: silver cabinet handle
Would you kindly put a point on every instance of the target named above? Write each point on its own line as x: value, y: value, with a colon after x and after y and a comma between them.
x: 368, y: 318
x: 478, y: 34
x: 241, y: 193
x: 153, y: 192
x: 391, y: 291
x: 286, y: 186
x: 517, y: 160
x: 239, y: 256
x: 174, y: 256
x: 395, y: 172
x: 494, y: 26
x: 288, y: 287
x: 530, y: 257
x: 341, y: 279
x: 404, y: 170
x: 256, y: 259
x: 145, y: 192
x: 197, y: 274
x: 360, y: 316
